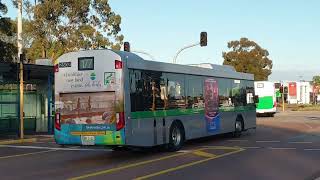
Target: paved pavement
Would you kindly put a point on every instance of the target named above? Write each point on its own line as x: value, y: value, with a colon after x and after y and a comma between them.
x: 284, y: 147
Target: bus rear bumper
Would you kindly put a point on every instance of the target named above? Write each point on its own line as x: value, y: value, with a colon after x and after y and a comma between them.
x: 109, y: 138
x: 266, y: 111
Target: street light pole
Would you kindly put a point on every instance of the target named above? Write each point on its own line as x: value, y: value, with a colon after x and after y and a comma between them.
x: 186, y: 47
x: 19, y: 35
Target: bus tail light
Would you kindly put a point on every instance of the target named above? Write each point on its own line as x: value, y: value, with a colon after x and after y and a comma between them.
x: 275, y: 104
x: 120, y: 121
x: 57, y: 122
x: 56, y: 68
x: 118, y: 64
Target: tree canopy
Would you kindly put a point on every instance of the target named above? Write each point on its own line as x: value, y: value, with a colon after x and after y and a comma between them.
x: 316, y: 80
x: 52, y: 28
x: 3, y: 9
x: 248, y: 57
x: 8, y: 48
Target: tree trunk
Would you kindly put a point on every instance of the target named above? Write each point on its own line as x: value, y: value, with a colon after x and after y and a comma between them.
x: 44, y: 53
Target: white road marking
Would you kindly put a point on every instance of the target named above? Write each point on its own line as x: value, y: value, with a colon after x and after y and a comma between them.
x: 257, y: 147
x: 281, y: 148
x: 184, y: 151
x: 299, y: 136
x: 253, y: 147
x: 26, y: 154
x: 312, y: 149
x: 238, y: 140
x: 310, y: 127
x: 55, y: 148
x: 267, y: 141
x: 301, y: 142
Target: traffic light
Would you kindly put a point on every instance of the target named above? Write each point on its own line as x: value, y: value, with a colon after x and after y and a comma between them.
x: 203, y: 39
x: 13, y: 71
x: 126, y: 46
x: 22, y: 57
x: 281, y: 89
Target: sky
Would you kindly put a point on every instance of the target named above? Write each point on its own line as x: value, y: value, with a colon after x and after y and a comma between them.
x: 288, y: 29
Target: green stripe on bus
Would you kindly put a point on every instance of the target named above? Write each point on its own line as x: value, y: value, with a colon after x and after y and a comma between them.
x: 265, y: 102
x: 163, y: 113
x: 181, y: 112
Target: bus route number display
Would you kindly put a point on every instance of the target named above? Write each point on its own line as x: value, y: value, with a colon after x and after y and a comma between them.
x: 85, y: 63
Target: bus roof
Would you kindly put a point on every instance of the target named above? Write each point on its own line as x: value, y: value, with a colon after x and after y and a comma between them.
x: 205, y: 69
x: 136, y: 62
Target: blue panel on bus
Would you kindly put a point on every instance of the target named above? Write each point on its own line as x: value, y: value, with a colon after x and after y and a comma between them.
x: 213, y: 123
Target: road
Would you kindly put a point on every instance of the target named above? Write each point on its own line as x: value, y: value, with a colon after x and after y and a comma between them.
x: 284, y: 147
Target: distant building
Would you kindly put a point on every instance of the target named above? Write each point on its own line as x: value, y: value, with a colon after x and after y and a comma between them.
x: 297, y: 92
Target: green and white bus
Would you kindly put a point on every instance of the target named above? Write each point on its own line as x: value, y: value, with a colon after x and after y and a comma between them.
x: 116, y: 98
x: 267, y: 98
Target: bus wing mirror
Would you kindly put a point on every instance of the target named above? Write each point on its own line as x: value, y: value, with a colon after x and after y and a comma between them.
x: 256, y: 99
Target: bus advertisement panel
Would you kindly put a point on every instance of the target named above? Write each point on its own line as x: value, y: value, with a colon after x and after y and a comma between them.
x: 212, y: 105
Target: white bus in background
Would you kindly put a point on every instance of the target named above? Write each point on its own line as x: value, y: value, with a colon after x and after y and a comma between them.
x: 267, y: 98
x: 116, y: 98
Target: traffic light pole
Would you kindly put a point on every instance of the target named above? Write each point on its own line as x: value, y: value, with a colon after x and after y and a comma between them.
x: 283, y: 101
x: 21, y: 101
x: 186, y: 47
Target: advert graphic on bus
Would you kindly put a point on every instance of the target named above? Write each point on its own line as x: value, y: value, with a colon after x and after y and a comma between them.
x: 87, y: 108
x: 211, y: 105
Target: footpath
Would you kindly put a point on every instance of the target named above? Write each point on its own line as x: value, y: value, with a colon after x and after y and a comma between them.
x: 28, y: 139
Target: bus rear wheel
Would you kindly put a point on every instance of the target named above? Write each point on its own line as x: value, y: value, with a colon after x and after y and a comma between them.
x: 176, y: 137
x: 238, y: 128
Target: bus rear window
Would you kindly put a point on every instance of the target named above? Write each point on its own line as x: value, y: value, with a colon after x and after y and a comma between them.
x: 260, y: 85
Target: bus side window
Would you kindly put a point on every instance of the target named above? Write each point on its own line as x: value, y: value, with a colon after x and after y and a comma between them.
x: 176, y: 91
x: 152, y: 90
x: 225, y: 87
x: 194, y: 92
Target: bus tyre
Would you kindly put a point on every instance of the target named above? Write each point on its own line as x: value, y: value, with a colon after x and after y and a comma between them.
x: 238, y: 128
x: 176, y: 137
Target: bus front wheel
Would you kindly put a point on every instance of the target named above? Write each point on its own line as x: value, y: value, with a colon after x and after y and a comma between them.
x: 176, y: 137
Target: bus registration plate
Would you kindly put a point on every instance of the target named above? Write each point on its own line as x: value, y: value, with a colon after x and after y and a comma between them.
x: 87, y: 140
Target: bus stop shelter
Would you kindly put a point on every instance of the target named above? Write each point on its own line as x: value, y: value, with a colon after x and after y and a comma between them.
x: 38, y: 99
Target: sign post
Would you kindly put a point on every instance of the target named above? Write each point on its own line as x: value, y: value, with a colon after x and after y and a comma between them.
x: 282, y: 91
x: 282, y: 101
